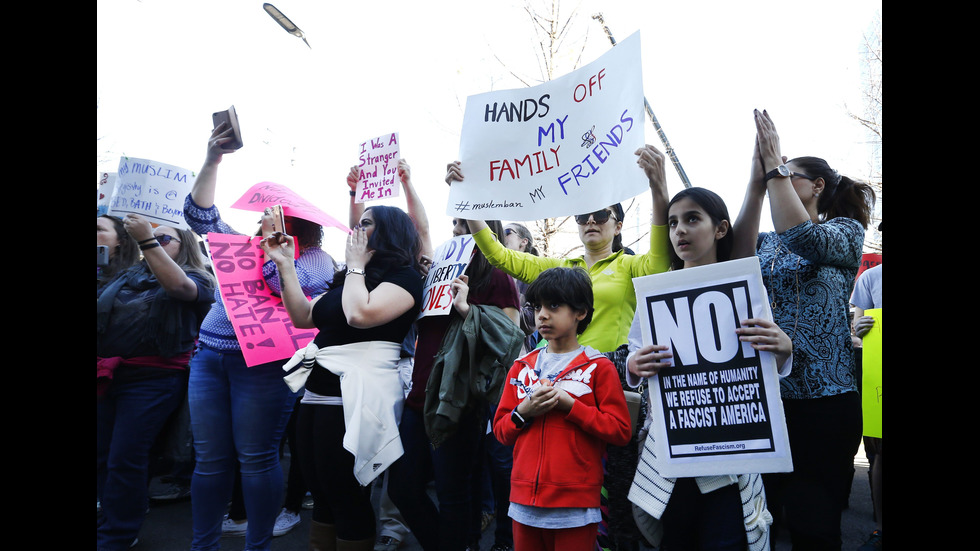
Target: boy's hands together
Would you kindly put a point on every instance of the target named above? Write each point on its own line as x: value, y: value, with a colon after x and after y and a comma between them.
x: 545, y: 398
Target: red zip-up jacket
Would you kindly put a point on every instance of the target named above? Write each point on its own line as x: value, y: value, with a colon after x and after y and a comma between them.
x: 558, y: 455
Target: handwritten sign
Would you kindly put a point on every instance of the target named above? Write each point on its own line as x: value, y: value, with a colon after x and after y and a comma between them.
x: 379, y: 167
x: 268, y: 194
x: 103, y: 192
x: 717, y: 409
x: 871, y: 376
x: 563, y: 147
x: 448, y: 262
x: 261, y: 322
x: 153, y: 190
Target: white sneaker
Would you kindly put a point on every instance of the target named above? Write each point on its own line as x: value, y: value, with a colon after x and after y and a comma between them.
x: 232, y: 528
x: 286, y: 521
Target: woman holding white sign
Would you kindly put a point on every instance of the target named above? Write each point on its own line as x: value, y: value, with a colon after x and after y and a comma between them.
x: 612, y: 271
x: 710, y: 512
x: 809, y: 265
x: 610, y: 268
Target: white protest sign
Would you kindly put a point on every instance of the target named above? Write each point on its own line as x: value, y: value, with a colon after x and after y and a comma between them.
x: 716, y: 410
x: 103, y: 192
x: 448, y: 262
x: 153, y: 190
x: 563, y: 147
x: 379, y: 167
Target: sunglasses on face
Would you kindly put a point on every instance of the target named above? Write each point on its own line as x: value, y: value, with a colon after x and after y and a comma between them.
x: 800, y: 175
x: 508, y: 231
x: 600, y: 217
x: 165, y: 239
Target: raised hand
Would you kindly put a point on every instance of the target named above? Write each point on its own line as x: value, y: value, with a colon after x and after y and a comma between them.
x: 357, y: 254
x: 220, y: 135
x: 454, y: 172
x: 651, y: 160
x: 768, y: 141
x: 459, y: 289
x: 278, y: 247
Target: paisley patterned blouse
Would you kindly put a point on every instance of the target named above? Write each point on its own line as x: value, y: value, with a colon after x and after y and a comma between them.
x: 809, y: 273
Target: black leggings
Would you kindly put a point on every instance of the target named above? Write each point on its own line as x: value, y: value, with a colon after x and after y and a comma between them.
x: 338, y: 498
x: 824, y: 435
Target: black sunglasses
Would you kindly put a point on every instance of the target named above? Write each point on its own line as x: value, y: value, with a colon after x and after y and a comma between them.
x: 600, y: 217
x: 800, y: 175
x: 165, y: 239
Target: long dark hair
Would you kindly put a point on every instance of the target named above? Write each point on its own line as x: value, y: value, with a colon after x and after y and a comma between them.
x: 127, y: 251
x: 842, y: 196
x: 307, y: 234
x: 480, y: 269
x: 714, y: 206
x: 395, y: 243
x: 617, y: 244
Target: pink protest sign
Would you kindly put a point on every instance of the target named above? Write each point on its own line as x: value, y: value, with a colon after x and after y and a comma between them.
x: 261, y: 323
x: 267, y: 194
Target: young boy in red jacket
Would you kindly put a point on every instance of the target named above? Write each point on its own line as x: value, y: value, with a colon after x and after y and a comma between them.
x: 560, y: 407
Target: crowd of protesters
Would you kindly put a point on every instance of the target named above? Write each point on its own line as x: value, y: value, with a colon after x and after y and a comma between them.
x: 365, y: 401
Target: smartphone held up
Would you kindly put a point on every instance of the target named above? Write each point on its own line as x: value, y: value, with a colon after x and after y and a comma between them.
x: 231, y: 117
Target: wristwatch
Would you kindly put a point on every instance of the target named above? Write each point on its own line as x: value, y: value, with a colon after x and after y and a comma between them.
x: 781, y: 170
x: 519, y: 421
x: 358, y: 271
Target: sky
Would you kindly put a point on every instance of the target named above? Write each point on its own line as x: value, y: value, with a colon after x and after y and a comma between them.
x: 375, y: 67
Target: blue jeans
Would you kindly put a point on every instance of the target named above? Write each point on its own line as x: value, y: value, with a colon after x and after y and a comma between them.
x: 238, y: 413
x: 129, y: 419
x: 451, y: 525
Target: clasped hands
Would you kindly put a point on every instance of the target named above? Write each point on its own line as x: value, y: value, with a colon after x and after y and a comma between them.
x: 544, y: 398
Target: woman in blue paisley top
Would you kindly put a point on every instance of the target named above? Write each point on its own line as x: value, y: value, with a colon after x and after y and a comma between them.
x: 808, y: 266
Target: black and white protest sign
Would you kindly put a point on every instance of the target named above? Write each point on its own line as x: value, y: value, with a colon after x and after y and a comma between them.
x: 717, y: 409
x: 448, y: 262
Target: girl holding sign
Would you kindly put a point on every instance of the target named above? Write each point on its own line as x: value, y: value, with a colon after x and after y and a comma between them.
x: 808, y: 266
x: 701, y: 512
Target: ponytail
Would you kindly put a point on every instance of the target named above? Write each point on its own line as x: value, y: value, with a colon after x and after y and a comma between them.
x: 842, y: 196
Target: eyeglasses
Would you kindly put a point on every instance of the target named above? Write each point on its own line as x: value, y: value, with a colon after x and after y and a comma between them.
x: 508, y: 231
x: 800, y: 175
x: 165, y: 239
x: 600, y: 217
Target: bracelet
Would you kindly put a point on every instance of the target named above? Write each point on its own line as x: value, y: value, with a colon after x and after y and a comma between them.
x: 146, y: 241
x: 351, y: 193
x: 149, y: 246
x: 358, y: 271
